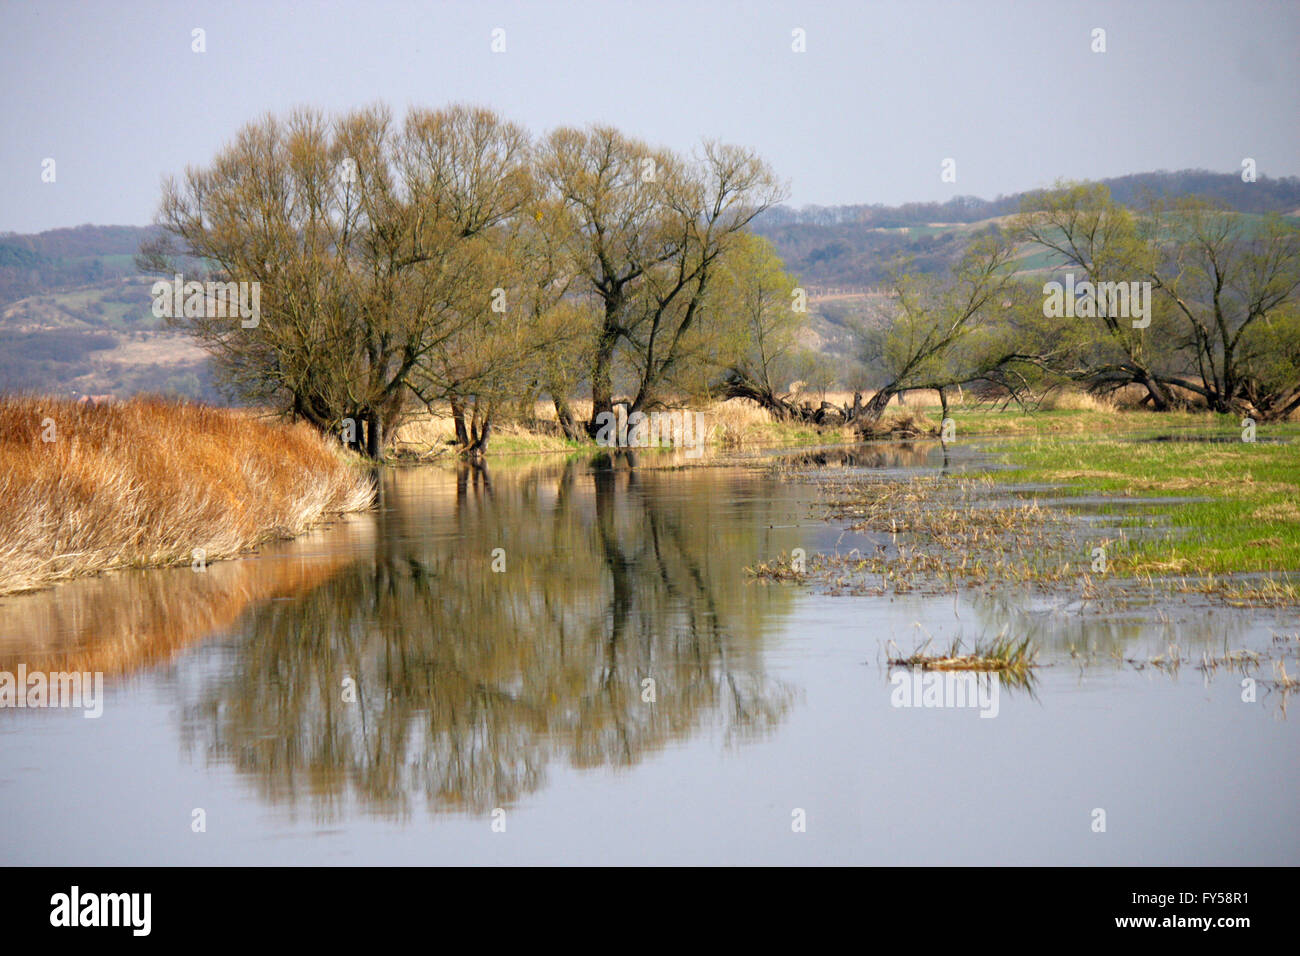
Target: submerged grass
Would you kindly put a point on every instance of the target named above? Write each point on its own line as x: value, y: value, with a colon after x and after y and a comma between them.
x: 150, y: 482
x: 1200, y: 512
x: 931, y: 532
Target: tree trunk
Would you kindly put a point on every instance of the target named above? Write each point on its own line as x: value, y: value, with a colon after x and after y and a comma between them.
x: 458, y: 416
x: 481, y: 437
x: 564, y: 415
x: 374, y: 436
x: 1161, y: 400
x: 602, y: 381
x: 943, y: 401
x: 857, y: 406
x: 780, y: 410
x: 872, y: 411
x: 356, y: 441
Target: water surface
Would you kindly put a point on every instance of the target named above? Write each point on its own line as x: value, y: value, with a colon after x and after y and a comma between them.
x: 484, y: 646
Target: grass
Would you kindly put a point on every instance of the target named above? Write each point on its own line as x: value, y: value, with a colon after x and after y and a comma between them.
x: 426, y: 436
x: 1071, y: 416
x: 1237, y: 509
x: 934, y: 531
x: 740, y: 424
x: 150, y: 482
x: 731, y: 424
x: 1013, y: 659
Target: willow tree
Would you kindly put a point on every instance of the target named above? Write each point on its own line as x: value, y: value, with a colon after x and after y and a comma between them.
x: 1084, y: 229
x: 604, y: 180
x: 367, y: 241
x: 1225, y: 286
x: 271, y: 210
x: 948, y: 331
x: 705, y: 208
x: 521, y: 328
x: 1233, y: 285
x: 648, y: 232
x: 760, y: 355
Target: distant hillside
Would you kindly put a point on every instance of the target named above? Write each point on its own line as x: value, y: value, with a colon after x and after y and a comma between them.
x: 63, y: 258
x: 98, y: 339
x: 76, y: 318
x: 853, y: 246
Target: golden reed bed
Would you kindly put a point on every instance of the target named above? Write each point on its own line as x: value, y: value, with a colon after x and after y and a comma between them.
x: 149, y: 482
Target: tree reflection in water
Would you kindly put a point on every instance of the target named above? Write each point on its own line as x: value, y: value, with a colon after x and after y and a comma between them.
x: 469, y: 682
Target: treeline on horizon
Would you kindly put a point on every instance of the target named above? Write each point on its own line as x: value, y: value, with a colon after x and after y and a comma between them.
x: 1264, y: 195
x: 857, y: 245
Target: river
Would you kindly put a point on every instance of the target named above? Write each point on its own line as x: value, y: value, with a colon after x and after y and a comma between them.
x: 567, y: 662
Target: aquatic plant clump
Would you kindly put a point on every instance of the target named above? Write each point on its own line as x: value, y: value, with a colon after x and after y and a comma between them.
x: 1003, y: 653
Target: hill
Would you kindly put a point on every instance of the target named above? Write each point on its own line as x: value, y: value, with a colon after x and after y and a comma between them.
x: 76, y: 319
x: 831, y: 247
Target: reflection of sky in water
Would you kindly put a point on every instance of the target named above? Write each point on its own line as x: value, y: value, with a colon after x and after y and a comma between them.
x: 524, y: 688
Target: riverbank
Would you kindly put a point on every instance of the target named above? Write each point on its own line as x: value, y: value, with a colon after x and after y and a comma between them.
x: 731, y: 424
x: 150, y: 483
x: 740, y: 424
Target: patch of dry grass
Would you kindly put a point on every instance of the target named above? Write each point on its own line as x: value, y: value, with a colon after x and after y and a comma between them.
x: 149, y: 482
x: 782, y: 569
x: 905, y: 422
x: 1065, y: 400
x: 1003, y: 654
x: 1285, y: 511
x: 734, y: 423
x: 427, y: 435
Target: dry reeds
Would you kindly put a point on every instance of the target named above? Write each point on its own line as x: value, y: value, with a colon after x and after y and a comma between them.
x: 782, y: 569
x: 150, y: 482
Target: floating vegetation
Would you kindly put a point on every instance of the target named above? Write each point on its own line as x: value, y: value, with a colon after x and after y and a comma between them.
x: 1003, y: 654
x: 784, y: 568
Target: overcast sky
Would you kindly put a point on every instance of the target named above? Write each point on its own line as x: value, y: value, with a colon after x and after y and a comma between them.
x: 884, y: 93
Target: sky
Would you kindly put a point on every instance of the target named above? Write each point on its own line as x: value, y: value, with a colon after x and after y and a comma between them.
x: 881, y: 95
